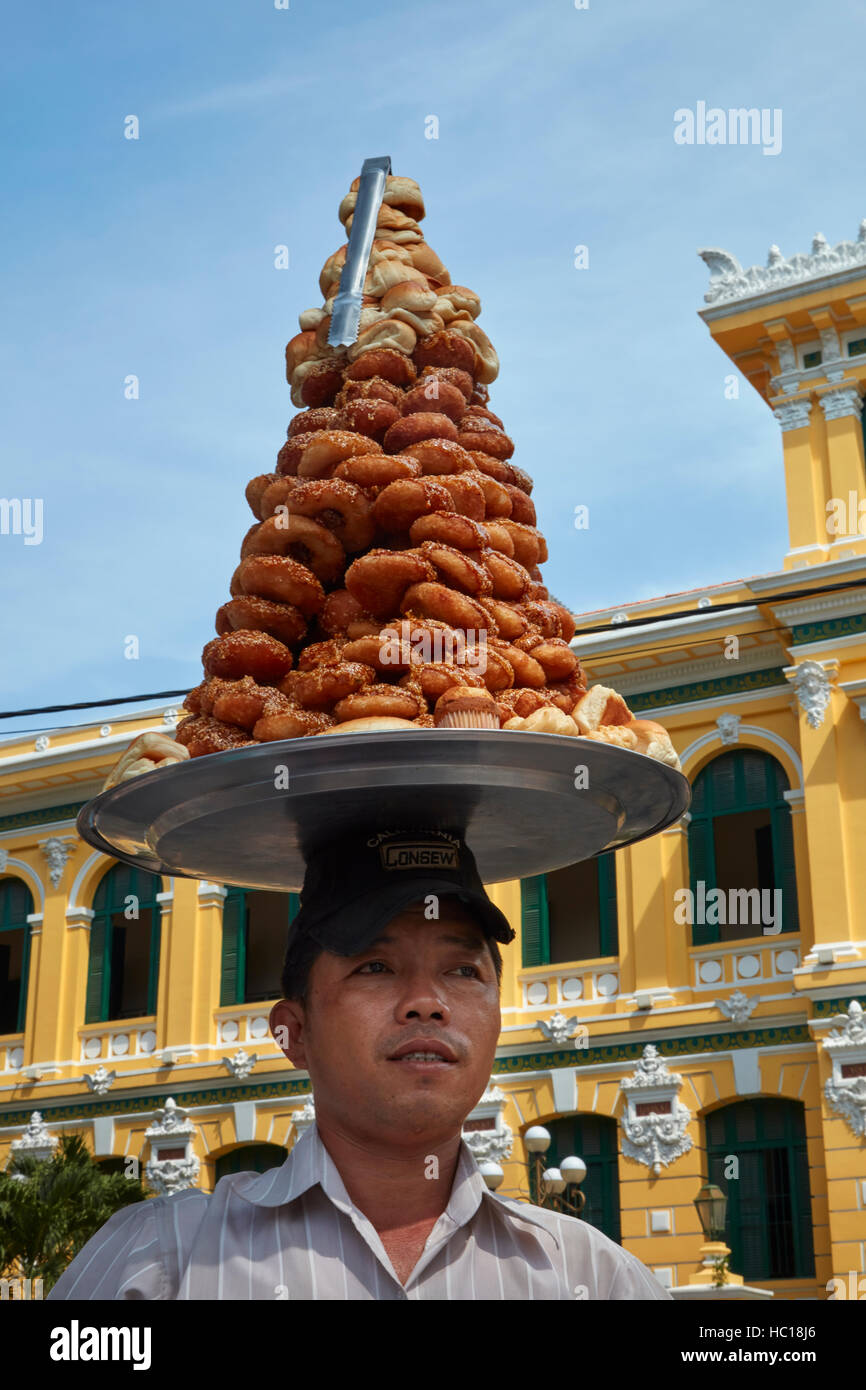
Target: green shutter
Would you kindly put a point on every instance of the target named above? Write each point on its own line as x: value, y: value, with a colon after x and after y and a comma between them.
x: 702, y: 866
x: 25, y: 975
x: 233, y: 953
x: 153, y: 970
x: 608, y: 933
x: 97, y: 972
x: 784, y: 870
x: 294, y: 906
x: 534, y: 922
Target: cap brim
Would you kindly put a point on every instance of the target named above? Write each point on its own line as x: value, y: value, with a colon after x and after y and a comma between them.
x: 357, y: 925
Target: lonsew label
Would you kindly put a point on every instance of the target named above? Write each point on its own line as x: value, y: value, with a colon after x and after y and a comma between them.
x: 419, y: 854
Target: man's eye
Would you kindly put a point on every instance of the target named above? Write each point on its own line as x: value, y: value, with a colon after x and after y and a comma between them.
x: 369, y: 963
x: 473, y: 968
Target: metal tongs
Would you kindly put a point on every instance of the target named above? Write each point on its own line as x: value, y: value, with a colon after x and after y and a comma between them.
x: 346, y: 315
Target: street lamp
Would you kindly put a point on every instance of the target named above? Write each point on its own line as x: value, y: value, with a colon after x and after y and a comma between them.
x: 711, y: 1205
x: 550, y: 1183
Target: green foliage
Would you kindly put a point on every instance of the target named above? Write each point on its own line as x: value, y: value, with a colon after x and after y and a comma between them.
x: 721, y: 1268
x: 49, y: 1209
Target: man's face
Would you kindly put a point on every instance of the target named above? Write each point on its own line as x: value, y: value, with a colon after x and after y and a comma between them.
x: 424, y: 982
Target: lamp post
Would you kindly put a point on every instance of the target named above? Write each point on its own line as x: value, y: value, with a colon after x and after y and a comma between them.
x: 550, y: 1183
x: 711, y: 1205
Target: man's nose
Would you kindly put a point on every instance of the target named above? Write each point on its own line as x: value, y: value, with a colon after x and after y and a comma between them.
x: 422, y: 998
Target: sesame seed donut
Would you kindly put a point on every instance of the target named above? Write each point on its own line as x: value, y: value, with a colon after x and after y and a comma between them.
x: 373, y: 388
x: 283, y: 579
x: 290, y: 455
x: 275, y: 495
x: 322, y: 687
x: 373, y: 418
x: 445, y: 349
x: 201, y: 734
x: 537, y: 591
x: 435, y: 677
x: 521, y: 701
x: 567, y: 624
x: 508, y: 617
x: 290, y: 721
x: 400, y: 503
x: 239, y: 702
x: 385, y: 651
x: 486, y: 463
x: 318, y: 383
x: 379, y: 579
x: 498, y: 538
x: 439, y: 456
x: 467, y: 495
x: 383, y: 362
x: 433, y: 393
x: 527, y: 671
x: 497, y: 502
x: 525, y: 540
x: 480, y: 412
x: 339, y: 611
x: 555, y: 657
x: 454, y: 376
x: 509, y: 577
x: 433, y: 600
x: 477, y: 434
x: 450, y: 528
x: 280, y: 620
x: 496, y: 670
x: 325, y: 417
x: 255, y: 490
x: 247, y: 652
x: 338, y: 505
x: 455, y: 568
x: 373, y: 700
x: 522, y: 506
x: 518, y: 478
x: 480, y: 394
x: 545, y: 617
x: 375, y: 471
x: 411, y: 429
x: 565, y: 694
x: 327, y: 448
x: 299, y: 538
x: 321, y: 653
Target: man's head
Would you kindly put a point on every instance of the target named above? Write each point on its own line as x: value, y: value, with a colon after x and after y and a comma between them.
x: 394, y: 950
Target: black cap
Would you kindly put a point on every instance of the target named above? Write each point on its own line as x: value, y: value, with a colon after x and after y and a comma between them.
x: 355, y: 886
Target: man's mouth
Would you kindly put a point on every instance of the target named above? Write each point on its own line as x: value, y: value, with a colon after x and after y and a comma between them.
x: 420, y: 1053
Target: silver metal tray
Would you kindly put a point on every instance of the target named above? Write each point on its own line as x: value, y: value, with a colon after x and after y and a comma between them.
x: 519, y: 799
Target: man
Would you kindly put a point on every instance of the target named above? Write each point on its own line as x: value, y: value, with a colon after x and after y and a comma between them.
x: 391, y: 1004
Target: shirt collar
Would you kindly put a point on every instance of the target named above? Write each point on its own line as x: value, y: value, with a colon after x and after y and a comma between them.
x: 310, y: 1163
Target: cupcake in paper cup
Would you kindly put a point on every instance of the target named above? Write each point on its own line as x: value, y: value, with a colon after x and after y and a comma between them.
x: 466, y: 707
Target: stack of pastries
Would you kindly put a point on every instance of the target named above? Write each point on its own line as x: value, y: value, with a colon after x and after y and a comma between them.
x: 391, y: 576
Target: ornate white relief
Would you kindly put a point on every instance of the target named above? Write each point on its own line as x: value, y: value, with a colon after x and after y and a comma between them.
x: 738, y: 1007
x: 787, y: 356
x: 241, y: 1064
x: 36, y: 1139
x: 56, y: 850
x: 847, y: 1094
x: 171, y: 1129
x: 728, y: 726
x: 793, y: 415
x: 304, y: 1117
x: 729, y: 281
x: 170, y: 1175
x: 659, y: 1137
x: 100, y: 1080
x: 558, y: 1029
x: 811, y: 681
x: 842, y: 401
x: 830, y: 349
x: 495, y: 1140
x: 41, y: 743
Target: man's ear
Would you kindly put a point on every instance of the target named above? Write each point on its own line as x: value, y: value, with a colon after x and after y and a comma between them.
x: 287, y: 1026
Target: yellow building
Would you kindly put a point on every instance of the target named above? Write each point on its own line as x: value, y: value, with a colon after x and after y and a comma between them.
x: 682, y: 1010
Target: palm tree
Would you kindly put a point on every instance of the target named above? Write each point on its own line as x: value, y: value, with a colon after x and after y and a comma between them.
x: 50, y: 1207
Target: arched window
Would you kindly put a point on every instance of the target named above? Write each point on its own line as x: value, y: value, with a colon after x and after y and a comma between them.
x: 250, y: 1158
x: 594, y: 1139
x: 570, y: 914
x: 756, y: 1152
x: 124, y: 945
x: 255, y: 928
x: 740, y: 843
x: 16, y: 903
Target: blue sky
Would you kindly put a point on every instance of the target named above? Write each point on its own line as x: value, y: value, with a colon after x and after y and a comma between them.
x: 155, y: 257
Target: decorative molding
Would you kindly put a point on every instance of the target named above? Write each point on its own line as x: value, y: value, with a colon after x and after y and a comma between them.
x: 753, y: 731
x: 101, y: 1081
x: 304, y: 1117
x: 79, y: 917
x: 57, y: 850
x: 729, y: 281
x: 723, y: 687
x: 831, y: 630
x: 738, y: 1007
x: 847, y: 1095
x: 241, y: 1064
x: 659, y: 1137
x: 25, y: 871
x: 842, y: 401
x: 793, y: 415
x: 728, y: 726
x: 812, y: 681
x: 37, y: 1140
x: 558, y: 1029
x: 171, y: 1129
x: 48, y: 815
x: 495, y: 1141
x: 211, y: 894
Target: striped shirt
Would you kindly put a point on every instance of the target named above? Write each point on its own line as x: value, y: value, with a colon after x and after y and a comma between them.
x: 294, y: 1233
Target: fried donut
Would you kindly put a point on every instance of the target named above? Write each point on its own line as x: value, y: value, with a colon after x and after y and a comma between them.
x: 375, y: 388
x: 445, y: 349
x: 325, y: 417
x: 379, y: 579
x: 194, y: 698
x: 255, y: 490
x: 522, y: 506
x: 299, y: 538
x: 385, y: 651
x: 290, y: 455
x: 466, y: 494
x: 370, y: 417
x: 371, y: 471
x: 235, y: 588
x: 507, y: 616
x: 326, y: 684
x: 248, y: 540
x: 439, y: 456
x: 201, y: 735
x: 480, y: 412
x: 451, y: 529
x: 475, y: 434
x: 455, y: 376
x: 544, y: 616
x: 247, y: 652
x: 525, y: 540
x: 280, y: 578
x: 434, y: 393
x: 338, y: 505
x: 497, y: 502
x: 556, y: 658
x: 321, y: 653
x: 411, y: 429
x: 480, y: 394
x: 280, y: 620
x: 239, y: 702
x: 527, y: 671
x: 567, y: 623
x: 455, y: 568
x: 373, y: 700
x: 565, y: 694
x: 338, y: 611
x: 537, y: 591
x: 486, y: 463
x: 327, y: 448
x: 433, y: 678
x: 275, y: 495
x: 521, y: 701
x: 496, y: 670
x: 500, y: 539
x: 433, y: 600
x: 383, y: 362
x: 518, y: 478
x: 321, y: 382
x: 400, y: 503
x: 509, y: 577
x: 290, y: 721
